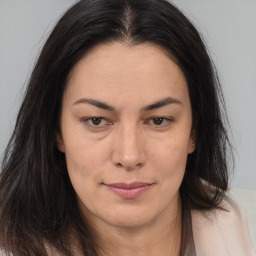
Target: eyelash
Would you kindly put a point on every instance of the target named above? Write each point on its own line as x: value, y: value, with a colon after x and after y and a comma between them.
x: 88, y: 121
x: 167, y: 121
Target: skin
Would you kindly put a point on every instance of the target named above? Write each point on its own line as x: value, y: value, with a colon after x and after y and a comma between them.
x: 129, y: 144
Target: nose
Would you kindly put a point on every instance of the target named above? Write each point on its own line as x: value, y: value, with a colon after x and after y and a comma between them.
x: 128, y: 150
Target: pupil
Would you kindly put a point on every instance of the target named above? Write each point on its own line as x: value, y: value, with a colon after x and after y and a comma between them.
x: 158, y: 120
x: 96, y: 120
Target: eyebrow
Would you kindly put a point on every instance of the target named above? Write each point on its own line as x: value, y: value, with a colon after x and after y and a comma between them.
x: 162, y: 103
x: 105, y: 106
x: 96, y: 103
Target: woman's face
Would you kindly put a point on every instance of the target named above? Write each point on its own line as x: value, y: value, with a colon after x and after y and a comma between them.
x: 126, y: 132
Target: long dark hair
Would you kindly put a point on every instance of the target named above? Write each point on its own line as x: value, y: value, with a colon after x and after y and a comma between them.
x: 38, y: 206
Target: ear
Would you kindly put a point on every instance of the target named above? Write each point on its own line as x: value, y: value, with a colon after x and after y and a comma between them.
x: 59, y: 141
x: 192, y: 142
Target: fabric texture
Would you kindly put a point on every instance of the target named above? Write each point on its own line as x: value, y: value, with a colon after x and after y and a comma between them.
x: 220, y: 232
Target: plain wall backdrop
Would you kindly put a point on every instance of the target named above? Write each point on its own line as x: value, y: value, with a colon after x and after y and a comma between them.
x: 227, y: 26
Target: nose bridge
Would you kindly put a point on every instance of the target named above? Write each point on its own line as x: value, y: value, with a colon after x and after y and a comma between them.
x: 129, y: 151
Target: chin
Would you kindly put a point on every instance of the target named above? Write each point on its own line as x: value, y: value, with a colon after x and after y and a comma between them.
x: 130, y: 218
x: 131, y: 223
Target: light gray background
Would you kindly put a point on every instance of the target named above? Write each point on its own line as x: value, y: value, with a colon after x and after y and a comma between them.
x: 228, y: 27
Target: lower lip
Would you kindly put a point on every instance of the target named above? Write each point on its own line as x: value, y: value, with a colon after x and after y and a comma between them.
x: 129, y: 193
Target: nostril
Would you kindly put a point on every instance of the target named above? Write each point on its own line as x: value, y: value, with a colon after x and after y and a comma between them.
x: 129, y: 167
x: 119, y: 165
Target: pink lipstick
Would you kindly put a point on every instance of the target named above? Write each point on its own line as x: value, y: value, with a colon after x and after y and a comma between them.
x: 129, y: 191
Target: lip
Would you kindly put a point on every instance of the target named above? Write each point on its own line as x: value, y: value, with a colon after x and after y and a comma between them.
x: 129, y: 190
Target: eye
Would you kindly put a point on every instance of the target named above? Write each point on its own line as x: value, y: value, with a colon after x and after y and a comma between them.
x: 96, y: 122
x: 161, y: 121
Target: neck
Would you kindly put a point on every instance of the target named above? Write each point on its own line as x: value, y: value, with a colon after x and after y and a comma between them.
x: 160, y: 237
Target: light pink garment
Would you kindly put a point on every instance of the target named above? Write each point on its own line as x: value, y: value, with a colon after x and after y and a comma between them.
x: 222, y: 233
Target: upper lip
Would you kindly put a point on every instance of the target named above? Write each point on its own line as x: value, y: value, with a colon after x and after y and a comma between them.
x: 128, y: 185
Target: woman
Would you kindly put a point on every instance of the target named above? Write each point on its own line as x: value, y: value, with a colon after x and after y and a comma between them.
x: 120, y: 145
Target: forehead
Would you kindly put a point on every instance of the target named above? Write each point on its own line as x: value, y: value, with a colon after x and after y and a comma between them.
x: 116, y: 69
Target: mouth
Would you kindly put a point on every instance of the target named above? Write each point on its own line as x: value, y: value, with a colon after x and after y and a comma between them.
x: 129, y: 190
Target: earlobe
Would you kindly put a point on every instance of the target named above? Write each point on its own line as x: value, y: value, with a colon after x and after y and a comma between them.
x: 192, y: 143
x: 59, y: 141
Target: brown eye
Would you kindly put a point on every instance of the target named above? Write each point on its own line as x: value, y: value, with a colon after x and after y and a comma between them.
x: 158, y: 120
x: 96, y: 121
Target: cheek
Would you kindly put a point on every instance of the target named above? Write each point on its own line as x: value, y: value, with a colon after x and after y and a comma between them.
x: 86, y: 161
x: 82, y: 159
x: 171, y: 150
x: 81, y: 165
x: 169, y: 157
x: 81, y: 151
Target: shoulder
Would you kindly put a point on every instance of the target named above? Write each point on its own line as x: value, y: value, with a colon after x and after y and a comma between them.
x: 222, y: 232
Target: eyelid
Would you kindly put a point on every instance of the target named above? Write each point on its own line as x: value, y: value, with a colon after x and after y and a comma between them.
x: 168, y: 120
x: 85, y: 121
